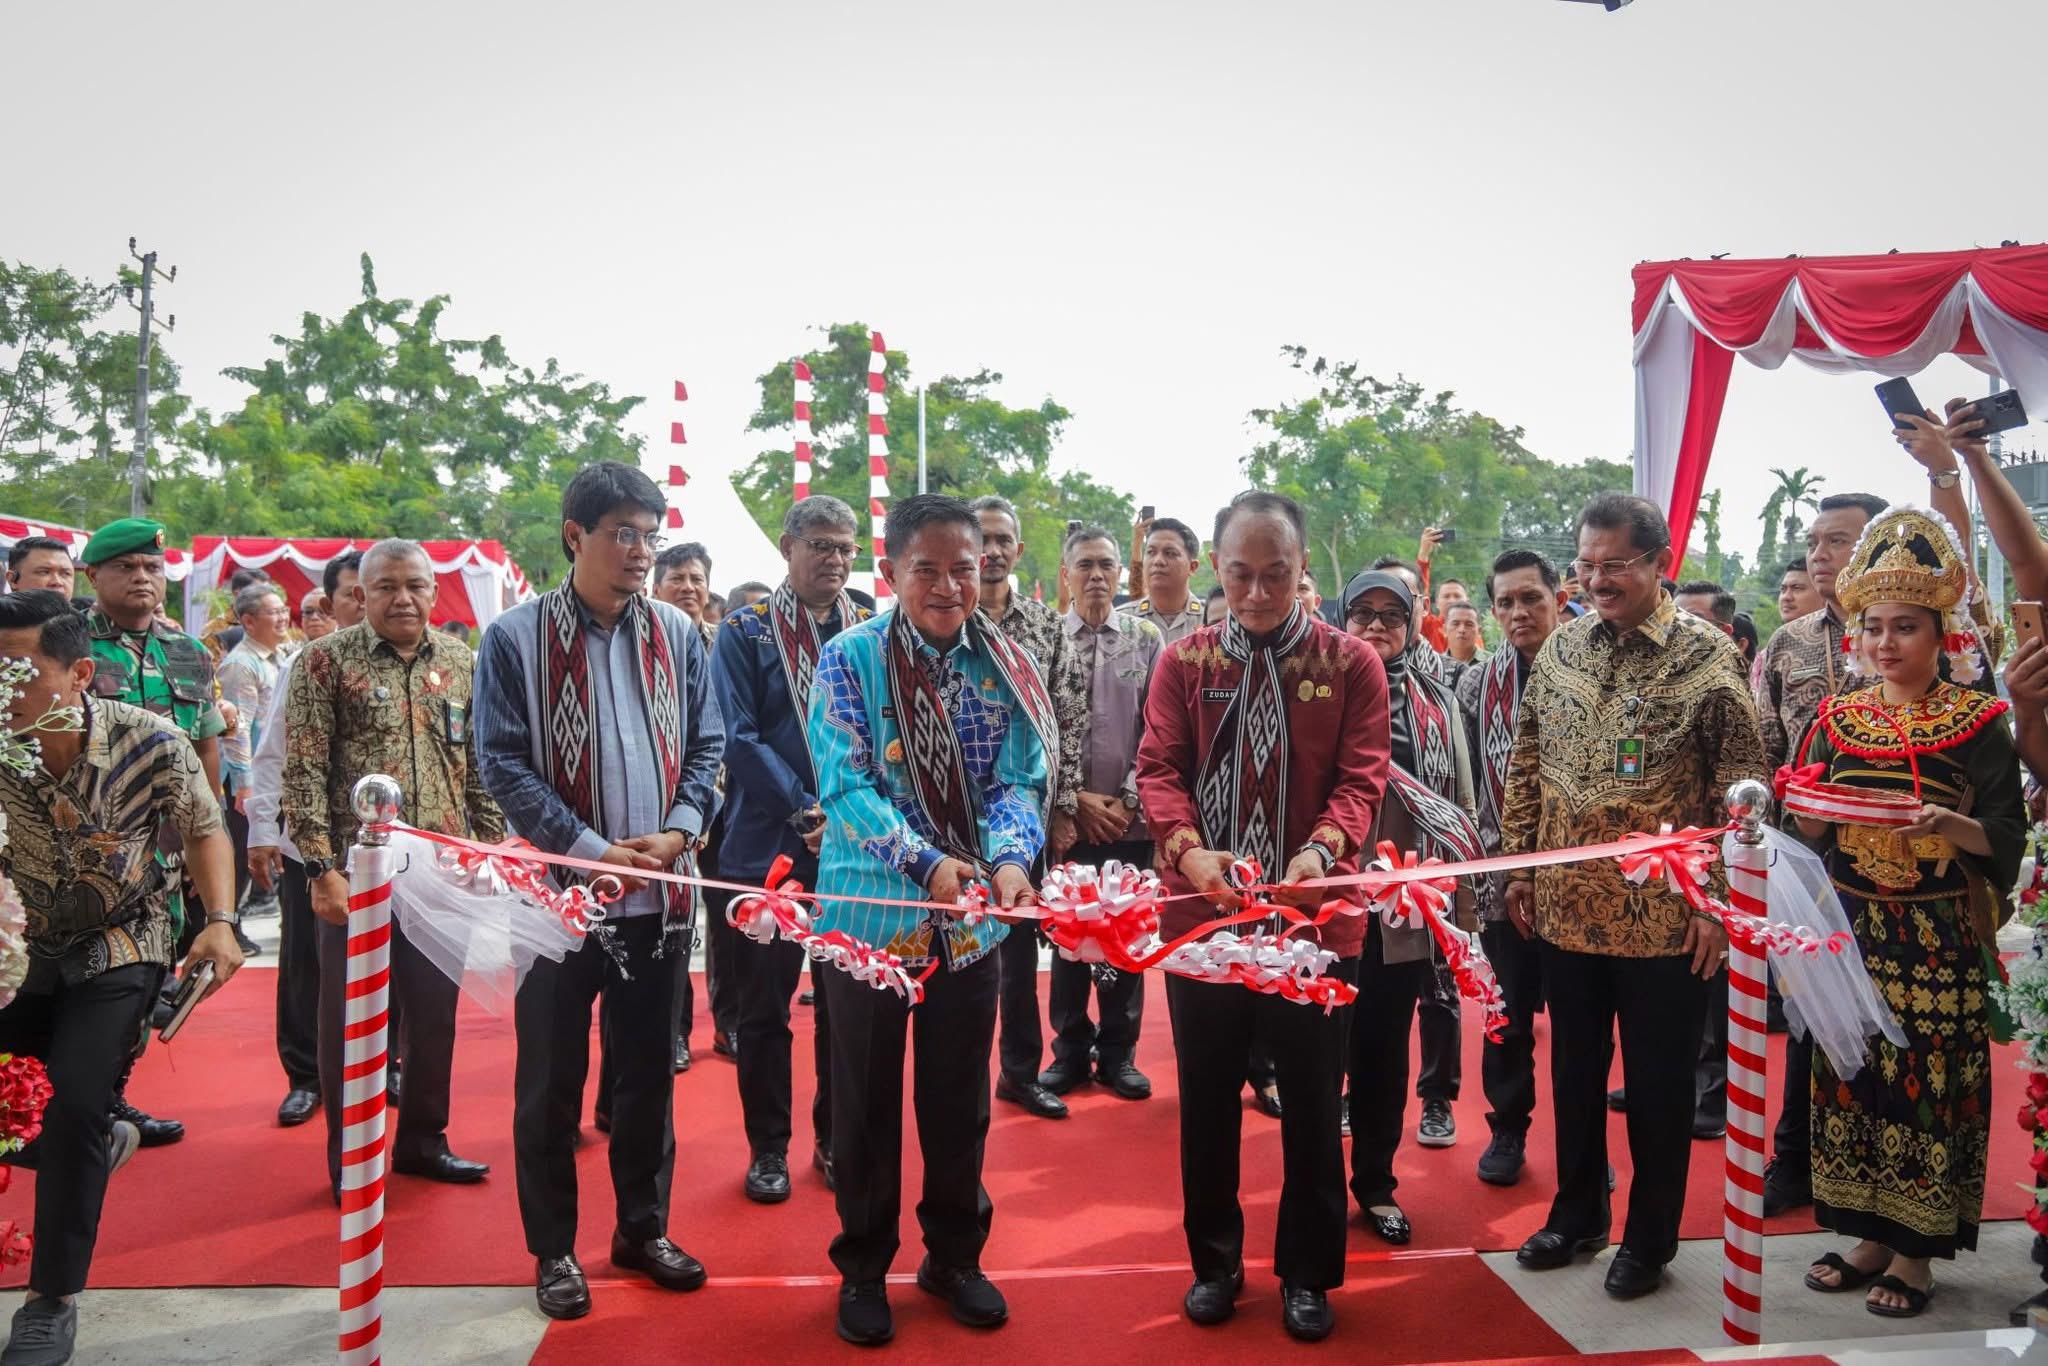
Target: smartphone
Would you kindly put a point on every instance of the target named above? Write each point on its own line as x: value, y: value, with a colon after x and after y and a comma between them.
x: 2027, y: 621
x: 1147, y: 513
x: 1445, y: 536
x: 190, y: 989
x: 2001, y: 413
x: 1897, y: 396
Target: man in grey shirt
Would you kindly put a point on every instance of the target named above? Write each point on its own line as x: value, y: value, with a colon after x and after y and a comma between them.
x: 598, y: 733
x: 1117, y: 651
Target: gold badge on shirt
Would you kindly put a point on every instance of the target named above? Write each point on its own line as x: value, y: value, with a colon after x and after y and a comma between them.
x: 894, y: 753
x: 1307, y: 691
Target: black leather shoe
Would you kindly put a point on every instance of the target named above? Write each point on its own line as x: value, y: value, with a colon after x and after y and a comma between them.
x: 821, y: 1163
x: 1267, y: 1101
x: 1032, y: 1097
x: 1306, y: 1313
x: 1061, y: 1078
x: 299, y: 1106
x: 559, y: 1288
x: 973, y: 1298
x: 1630, y: 1277
x: 768, y: 1179
x: 1617, y: 1099
x: 155, y: 1132
x: 393, y: 1084
x: 1786, y: 1187
x: 1126, y: 1080
x: 1709, y: 1126
x: 1547, y: 1249
x: 725, y: 1045
x: 667, y: 1265
x: 601, y: 1121
x: 1212, y: 1302
x: 682, y: 1056
x: 443, y: 1166
x: 1392, y: 1228
x: 807, y: 997
x: 864, y: 1314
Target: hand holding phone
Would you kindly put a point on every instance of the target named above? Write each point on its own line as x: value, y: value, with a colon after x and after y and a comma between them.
x: 1897, y: 396
x: 191, y: 988
x: 2027, y: 621
x: 2001, y: 412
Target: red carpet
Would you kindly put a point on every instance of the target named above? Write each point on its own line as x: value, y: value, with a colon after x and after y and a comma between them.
x: 270, y: 1222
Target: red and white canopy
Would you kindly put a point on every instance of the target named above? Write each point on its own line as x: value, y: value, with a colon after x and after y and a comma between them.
x: 12, y: 529
x: 477, y: 579
x: 1889, y: 315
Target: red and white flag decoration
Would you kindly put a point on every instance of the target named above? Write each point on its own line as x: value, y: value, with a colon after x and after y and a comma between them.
x: 800, y: 373
x: 676, y: 475
x: 878, y: 452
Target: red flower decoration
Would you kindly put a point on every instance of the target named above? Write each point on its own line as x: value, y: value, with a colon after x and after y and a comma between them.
x: 16, y: 1243
x: 2028, y: 1120
x: 24, y: 1094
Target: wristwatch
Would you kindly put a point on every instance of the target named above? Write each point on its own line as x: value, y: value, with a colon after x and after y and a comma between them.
x: 1130, y: 801
x: 223, y: 918
x: 1945, y: 479
x: 318, y: 868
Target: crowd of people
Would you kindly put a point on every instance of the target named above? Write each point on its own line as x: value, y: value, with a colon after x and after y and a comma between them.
x: 971, y: 734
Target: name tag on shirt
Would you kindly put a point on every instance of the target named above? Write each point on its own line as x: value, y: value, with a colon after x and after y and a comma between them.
x: 458, y: 723
x: 1628, y: 756
x: 1218, y: 694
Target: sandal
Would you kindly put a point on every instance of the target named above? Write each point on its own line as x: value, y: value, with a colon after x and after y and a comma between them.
x: 1852, y: 1277
x: 1916, y: 1298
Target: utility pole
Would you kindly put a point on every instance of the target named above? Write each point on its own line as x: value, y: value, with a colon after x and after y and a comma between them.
x: 920, y: 438
x: 138, y: 461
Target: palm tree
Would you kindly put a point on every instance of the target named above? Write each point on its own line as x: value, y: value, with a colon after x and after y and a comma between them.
x: 1796, y: 488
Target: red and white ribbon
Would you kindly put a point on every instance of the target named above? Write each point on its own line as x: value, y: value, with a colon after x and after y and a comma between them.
x: 579, y: 906
x: 878, y: 452
x: 1682, y: 863
x: 774, y: 913
x: 366, y: 996
x: 1844, y: 805
x: 1413, y: 904
x: 801, y: 415
x: 1110, y: 916
x: 1277, y: 965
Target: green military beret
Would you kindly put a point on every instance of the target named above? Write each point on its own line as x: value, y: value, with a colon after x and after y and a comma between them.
x: 123, y: 537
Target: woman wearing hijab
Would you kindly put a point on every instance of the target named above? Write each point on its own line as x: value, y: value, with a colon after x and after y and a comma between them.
x: 1428, y: 808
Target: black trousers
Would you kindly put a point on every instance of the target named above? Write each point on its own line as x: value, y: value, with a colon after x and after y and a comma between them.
x: 1656, y: 1004
x: 85, y: 1036
x: 765, y: 978
x: 298, y: 981
x: 1710, y: 1071
x: 1214, y: 1024
x: 1792, y: 1141
x: 1377, y: 1063
x: 1023, y: 1038
x: 721, y: 940
x: 1121, y: 1004
x: 1508, y: 1069
x: 552, y: 1021
x: 238, y: 830
x: 1436, y: 1017
x: 422, y: 1032
x: 951, y: 1033
x: 679, y: 1023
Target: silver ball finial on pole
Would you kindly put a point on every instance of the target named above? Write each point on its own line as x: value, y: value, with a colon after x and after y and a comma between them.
x: 1749, y: 805
x: 376, y: 800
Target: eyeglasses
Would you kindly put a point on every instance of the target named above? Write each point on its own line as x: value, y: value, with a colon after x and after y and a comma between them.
x: 631, y: 536
x: 1586, y: 569
x: 1392, y: 618
x: 844, y: 550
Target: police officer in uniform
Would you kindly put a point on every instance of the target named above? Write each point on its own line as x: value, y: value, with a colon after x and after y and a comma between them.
x: 141, y: 661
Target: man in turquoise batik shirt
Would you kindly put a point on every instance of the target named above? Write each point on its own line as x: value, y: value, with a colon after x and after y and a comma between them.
x: 930, y: 731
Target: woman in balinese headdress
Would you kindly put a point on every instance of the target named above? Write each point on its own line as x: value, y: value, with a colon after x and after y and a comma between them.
x: 1899, y: 1149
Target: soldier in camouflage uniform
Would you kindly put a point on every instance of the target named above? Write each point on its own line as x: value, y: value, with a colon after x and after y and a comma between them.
x: 141, y: 661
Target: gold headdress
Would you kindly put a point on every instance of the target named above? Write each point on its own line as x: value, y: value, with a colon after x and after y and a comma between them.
x: 1911, y: 555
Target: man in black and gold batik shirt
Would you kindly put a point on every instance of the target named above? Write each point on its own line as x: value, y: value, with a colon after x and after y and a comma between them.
x: 1634, y: 715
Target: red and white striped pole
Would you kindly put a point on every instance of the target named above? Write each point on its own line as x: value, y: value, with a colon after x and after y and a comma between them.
x: 677, y: 476
x: 800, y: 373
x: 1742, y: 1228
x: 366, y: 1000
x: 878, y: 452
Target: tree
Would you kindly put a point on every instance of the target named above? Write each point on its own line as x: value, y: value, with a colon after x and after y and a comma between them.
x: 975, y: 444
x: 376, y: 424
x: 1372, y: 463
x: 67, y: 398
x: 1799, y: 489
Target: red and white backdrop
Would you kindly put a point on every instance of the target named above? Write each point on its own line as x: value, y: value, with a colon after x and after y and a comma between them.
x: 476, y: 579
x: 12, y: 529
x: 1887, y: 315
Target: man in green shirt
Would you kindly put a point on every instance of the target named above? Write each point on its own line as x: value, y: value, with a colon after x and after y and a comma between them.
x: 139, y: 660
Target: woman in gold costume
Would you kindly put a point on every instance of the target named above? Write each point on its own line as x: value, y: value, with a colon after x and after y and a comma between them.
x: 1899, y: 1149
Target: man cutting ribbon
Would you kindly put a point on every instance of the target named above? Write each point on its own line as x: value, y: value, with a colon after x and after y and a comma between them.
x: 932, y: 737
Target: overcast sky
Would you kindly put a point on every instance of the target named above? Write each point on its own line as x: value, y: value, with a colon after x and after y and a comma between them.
x: 1129, y: 207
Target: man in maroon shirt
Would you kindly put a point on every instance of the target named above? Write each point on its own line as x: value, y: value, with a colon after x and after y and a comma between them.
x: 1266, y: 738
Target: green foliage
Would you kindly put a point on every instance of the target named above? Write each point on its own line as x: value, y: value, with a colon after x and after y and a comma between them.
x: 1373, y: 463
x: 376, y: 424
x: 974, y: 444
x: 67, y: 386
